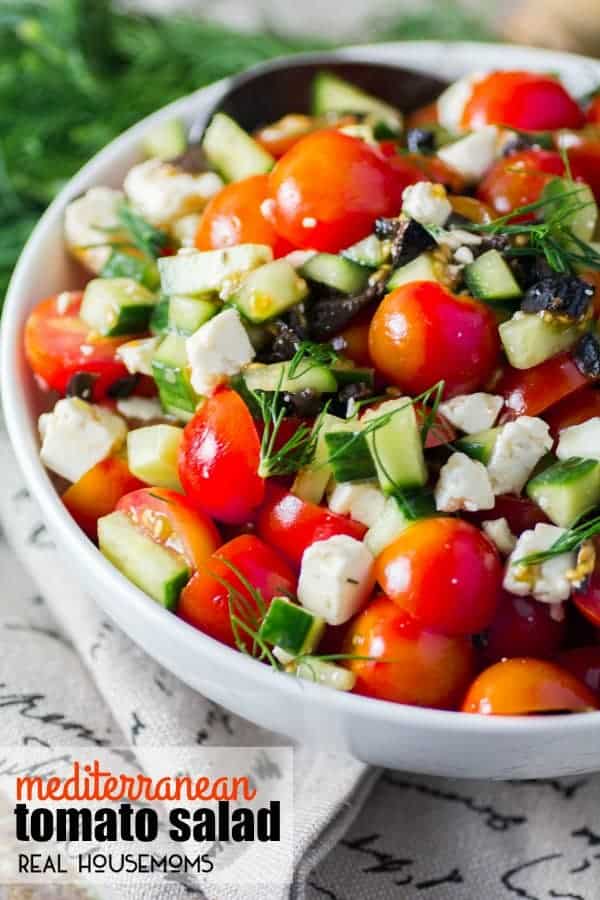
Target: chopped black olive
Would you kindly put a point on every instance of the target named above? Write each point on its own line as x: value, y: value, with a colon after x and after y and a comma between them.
x: 587, y: 355
x: 386, y: 228
x: 410, y: 241
x: 331, y: 314
x: 560, y: 295
x: 298, y: 320
x: 192, y: 160
x: 81, y: 385
x: 123, y: 387
x: 499, y: 242
x: 284, y: 345
x: 358, y: 390
x: 524, y: 140
x: 420, y: 140
x: 306, y: 403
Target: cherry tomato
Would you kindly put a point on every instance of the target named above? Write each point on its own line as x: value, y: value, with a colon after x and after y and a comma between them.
x: 291, y: 525
x: 417, y: 667
x: 98, y: 491
x: 520, y: 513
x: 472, y: 209
x: 528, y: 392
x: 441, y: 431
x: 521, y: 687
x: 329, y: 188
x: 58, y: 344
x: 421, y: 333
x: 205, y: 600
x: 219, y: 458
x: 435, y: 169
x: 279, y: 137
x: 356, y: 339
x: 425, y: 115
x: 234, y: 216
x: 170, y: 519
x: 585, y: 164
x: 519, y: 180
x: 576, y: 408
x: 584, y: 664
x: 592, y: 113
x: 522, y: 627
x: 525, y: 100
x: 445, y: 573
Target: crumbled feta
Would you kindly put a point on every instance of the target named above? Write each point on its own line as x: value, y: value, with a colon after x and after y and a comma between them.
x: 451, y: 104
x: 162, y: 192
x: 464, y: 256
x: 473, y: 155
x: 184, y: 229
x: 580, y: 440
x: 76, y: 435
x: 91, y: 224
x: 472, y: 412
x: 336, y: 578
x: 463, y: 484
x: 499, y: 533
x: 362, y: 501
x: 218, y: 349
x: 137, y: 355
x: 426, y: 203
x: 518, y: 448
x: 456, y: 238
x: 547, y: 582
x: 145, y: 409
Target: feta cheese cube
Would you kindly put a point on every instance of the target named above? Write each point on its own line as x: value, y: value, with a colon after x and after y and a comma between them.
x: 162, y: 192
x: 580, y: 440
x: 463, y: 484
x: 452, y: 102
x: 362, y: 501
x: 336, y: 578
x: 464, y: 256
x: 499, y: 533
x: 218, y: 349
x: 519, y: 447
x: 184, y: 229
x: 547, y: 582
x: 76, y: 435
x: 145, y: 409
x: 86, y: 222
x: 426, y: 203
x: 472, y: 412
x: 137, y: 355
x: 472, y: 155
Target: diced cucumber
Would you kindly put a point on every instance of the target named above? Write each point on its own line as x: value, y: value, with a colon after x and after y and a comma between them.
x: 529, y: 339
x: 152, y: 454
x: 400, y: 511
x: 479, y: 446
x: 347, y: 373
x: 276, y: 376
x: 161, y: 573
x: 291, y: 627
x: 490, y: 278
x: 165, y: 141
x: 232, y: 152
x: 349, y: 455
x: 570, y: 195
x: 310, y: 483
x: 268, y: 291
x: 424, y: 268
x: 336, y: 272
x: 187, y: 314
x: 115, y: 306
x: 328, y: 674
x: 567, y: 490
x: 195, y: 272
x: 129, y: 265
x: 172, y: 375
x: 159, y: 320
x: 370, y: 252
x: 332, y: 94
x: 396, y: 446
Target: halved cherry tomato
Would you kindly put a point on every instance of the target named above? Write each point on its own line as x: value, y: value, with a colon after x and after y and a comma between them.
x: 525, y: 100
x: 528, y: 392
x: 219, y: 458
x: 58, y: 344
x: 441, y: 431
x: 417, y: 666
x: 522, y: 627
x: 445, y: 573
x: 521, y: 687
x: 585, y: 164
x: 205, y: 600
x: 329, y: 188
x: 291, y: 525
x: 170, y: 519
x: 98, y: 491
x: 519, y: 180
x: 592, y: 113
x: 584, y: 664
x: 520, y: 513
x: 573, y: 410
x: 421, y: 334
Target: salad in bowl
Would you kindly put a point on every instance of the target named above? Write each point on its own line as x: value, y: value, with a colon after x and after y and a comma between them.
x: 329, y: 393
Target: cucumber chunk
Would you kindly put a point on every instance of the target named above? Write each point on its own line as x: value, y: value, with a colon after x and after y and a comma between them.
x: 195, y: 272
x: 370, y: 252
x: 577, y: 197
x: 116, y: 306
x: 327, y: 674
x: 187, y: 314
x: 152, y: 455
x: 424, y: 268
x: 232, y: 152
x: 268, y: 291
x: 128, y: 265
x: 490, y: 278
x: 332, y: 94
x: 161, y: 573
x: 159, y: 320
x: 349, y: 456
x: 400, y: 511
x: 291, y: 627
x: 171, y: 372
x: 310, y: 483
x: 567, y: 490
x: 165, y: 141
x: 528, y: 339
x: 336, y: 272
x: 396, y: 446
x: 276, y: 376
x: 479, y: 446
x: 347, y: 373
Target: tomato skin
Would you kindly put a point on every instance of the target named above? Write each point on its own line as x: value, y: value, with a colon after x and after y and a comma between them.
x: 525, y: 100
x: 98, y: 491
x: 421, y: 333
x: 356, y: 339
x: 204, y: 601
x: 329, y: 188
x: 290, y: 524
x: 425, y: 668
x: 169, y: 518
x: 523, y: 686
x: 522, y: 627
x: 584, y: 664
x: 58, y: 344
x: 576, y: 408
x: 435, y: 169
x: 518, y: 180
x: 587, y: 601
x: 585, y: 164
x: 593, y: 111
x: 445, y: 573
x: 521, y: 513
x: 219, y: 458
x: 233, y: 216
x: 528, y: 392
x: 425, y: 115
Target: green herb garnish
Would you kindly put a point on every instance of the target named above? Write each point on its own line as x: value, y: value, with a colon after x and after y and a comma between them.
x: 570, y: 540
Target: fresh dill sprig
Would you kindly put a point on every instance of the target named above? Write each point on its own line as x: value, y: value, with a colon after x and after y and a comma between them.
x: 148, y: 239
x: 570, y: 540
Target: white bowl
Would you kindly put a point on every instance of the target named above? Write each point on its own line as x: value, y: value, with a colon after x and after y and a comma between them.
x: 403, y: 737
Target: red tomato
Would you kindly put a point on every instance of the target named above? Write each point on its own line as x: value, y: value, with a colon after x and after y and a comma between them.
x: 416, y: 666
x: 291, y: 525
x: 519, y: 180
x: 445, y: 573
x: 425, y: 115
x: 592, y: 113
x: 522, y: 627
x: 421, y: 333
x: 525, y: 100
x: 328, y: 189
x: 435, y: 169
x: 528, y: 392
x: 585, y: 164
x: 279, y: 137
x: 204, y: 601
x: 520, y: 513
x: 520, y: 687
x: 441, y: 431
x: 98, y: 491
x: 234, y: 216
x: 170, y: 519
x: 58, y: 344
x: 584, y: 664
x: 219, y: 458
x: 356, y: 339
x: 573, y: 410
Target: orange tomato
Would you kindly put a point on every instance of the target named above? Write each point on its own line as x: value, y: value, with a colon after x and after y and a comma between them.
x: 98, y: 491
